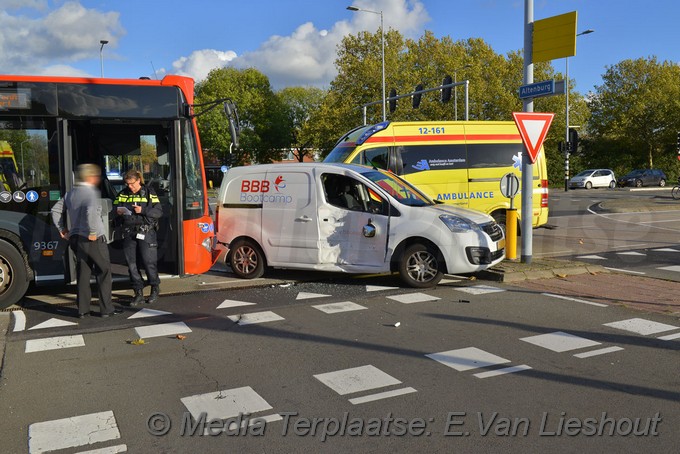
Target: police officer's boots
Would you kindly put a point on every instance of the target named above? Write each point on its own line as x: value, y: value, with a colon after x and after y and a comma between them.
x: 138, y: 299
x: 153, y: 297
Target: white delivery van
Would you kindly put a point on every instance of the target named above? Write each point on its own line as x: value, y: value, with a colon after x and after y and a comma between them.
x: 348, y: 218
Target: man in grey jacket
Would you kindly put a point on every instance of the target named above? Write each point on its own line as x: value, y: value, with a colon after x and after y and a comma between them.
x: 87, y: 238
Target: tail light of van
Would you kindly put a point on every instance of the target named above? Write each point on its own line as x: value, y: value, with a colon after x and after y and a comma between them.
x: 544, y: 193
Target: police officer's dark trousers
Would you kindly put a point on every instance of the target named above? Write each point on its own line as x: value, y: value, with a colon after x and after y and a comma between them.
x: 89, y: 255
x: 146, y: 250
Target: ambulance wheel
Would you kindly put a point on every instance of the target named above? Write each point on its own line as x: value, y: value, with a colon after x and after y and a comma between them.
x: 13, y: 275
x: 420, y: 266
x: 246, y: 259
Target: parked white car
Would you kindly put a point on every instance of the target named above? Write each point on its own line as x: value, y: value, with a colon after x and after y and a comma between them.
x: 593, y: 178
x: 347, y: 218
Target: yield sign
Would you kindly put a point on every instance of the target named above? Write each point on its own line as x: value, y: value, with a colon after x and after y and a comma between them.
x: 533, y: 127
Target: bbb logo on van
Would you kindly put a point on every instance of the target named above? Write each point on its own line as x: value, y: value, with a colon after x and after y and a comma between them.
x: 279, y: 183
x: 421, y: 165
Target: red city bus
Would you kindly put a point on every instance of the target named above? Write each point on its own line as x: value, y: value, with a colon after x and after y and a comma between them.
x: 53, y: 124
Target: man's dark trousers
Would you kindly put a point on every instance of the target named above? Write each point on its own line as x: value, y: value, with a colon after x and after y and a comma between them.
x: 89, y: 255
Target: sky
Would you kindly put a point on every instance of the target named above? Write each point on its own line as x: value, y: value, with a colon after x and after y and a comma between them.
x: 294, y: 42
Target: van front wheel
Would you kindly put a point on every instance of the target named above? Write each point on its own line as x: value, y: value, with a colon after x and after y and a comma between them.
x: 420, y: 267
x: 246, y: 259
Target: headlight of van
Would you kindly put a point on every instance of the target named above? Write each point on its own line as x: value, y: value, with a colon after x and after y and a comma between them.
x: 457, y: 224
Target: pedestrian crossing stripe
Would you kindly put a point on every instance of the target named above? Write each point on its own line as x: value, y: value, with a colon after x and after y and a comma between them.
x: 52, y: 323
x: 72, y: 432
x: 344, y: 306
x: 410, y: 298
x: 480, y: 289
x: 255, y: 317
x: 162, y: 329
x: 593, y: 257
x: 641, y: 326
x: 630, y: 253
x: 378, y: 288
x: 54, y: 343
x: 559, y: 341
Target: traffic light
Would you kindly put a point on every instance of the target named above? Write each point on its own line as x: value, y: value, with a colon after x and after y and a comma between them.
x: 393, y: 102
x: 446, y: 91
x: 417, y: 96
x: 573, y: 140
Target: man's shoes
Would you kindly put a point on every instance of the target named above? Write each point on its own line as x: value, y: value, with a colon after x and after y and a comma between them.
x: 112, y: 313
x: 83, y: 315
x: 153, y: 297
x: 138, y: 299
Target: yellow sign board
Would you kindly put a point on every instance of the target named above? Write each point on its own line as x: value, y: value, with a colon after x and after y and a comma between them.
x: 554, y: 37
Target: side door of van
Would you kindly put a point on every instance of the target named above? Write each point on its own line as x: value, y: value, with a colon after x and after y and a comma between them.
x: 353, y: 223
x: 290, y: 233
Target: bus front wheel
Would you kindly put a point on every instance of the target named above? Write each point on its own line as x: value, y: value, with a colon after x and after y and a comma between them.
x: 13, y: 276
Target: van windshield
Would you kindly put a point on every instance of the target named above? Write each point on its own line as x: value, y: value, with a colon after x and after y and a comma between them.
x: 400, y: 190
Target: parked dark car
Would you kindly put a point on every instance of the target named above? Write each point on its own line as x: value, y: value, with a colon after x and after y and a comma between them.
x: 643, y: 177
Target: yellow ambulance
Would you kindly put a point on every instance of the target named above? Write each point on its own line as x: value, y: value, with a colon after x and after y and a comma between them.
x: 455, y: 162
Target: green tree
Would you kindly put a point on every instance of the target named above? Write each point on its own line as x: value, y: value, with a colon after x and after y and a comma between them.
x: 299, y: 103
x: 634, y: 116
x: 261, y: 113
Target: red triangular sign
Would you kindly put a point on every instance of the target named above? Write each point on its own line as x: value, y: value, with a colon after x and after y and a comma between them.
x: 533, y: 127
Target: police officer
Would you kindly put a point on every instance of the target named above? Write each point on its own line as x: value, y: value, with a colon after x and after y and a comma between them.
x: 140, y: 209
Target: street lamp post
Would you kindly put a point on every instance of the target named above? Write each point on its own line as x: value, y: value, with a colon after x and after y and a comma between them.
x: 566, y: 116
x: 382, y: 37
x: 101, y: 55
x: 455, y: 89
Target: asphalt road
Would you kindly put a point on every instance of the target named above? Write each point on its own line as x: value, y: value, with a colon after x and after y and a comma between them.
x: 472, y: 366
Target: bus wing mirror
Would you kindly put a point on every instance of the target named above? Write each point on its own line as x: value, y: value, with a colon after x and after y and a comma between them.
x: 232, y: 117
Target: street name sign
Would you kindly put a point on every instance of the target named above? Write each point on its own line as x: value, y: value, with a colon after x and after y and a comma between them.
x: 545, y: 88
x: 533, y: 127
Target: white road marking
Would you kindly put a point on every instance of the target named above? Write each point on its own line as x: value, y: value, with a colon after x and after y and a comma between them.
x: 72, y: 432
x: 232, y: 303
x: 675, y: 268
x: 505, y: 370
x: 378, y: 288
x: 600, y: 351
x: 592, y: 257
x: 560, y: 341
x: 356, y: 379
x: 383, y: 395
x: 665, y: 249
x: 410, y: 298
x: 19, y: 321
x: 641, y: 326
x: 468, y: 358
x: 146, y: 312
x: 52, y: 323
x: 577, y: 300
x: 255, y: 317
x: 620, y: 270
x: 163, y: 329
x: 54, y: 343
x: 225, y: 404
x: 306, y: 296
x: 344, y: 306
x: 630, y: 253
x: 480, y: 289
x: 669, y: 337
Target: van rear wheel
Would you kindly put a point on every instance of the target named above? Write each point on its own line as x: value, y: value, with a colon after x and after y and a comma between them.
x: 246, y: 259
x: 420, y: 267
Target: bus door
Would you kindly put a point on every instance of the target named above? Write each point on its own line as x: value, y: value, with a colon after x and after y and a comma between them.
x: 148, y: 148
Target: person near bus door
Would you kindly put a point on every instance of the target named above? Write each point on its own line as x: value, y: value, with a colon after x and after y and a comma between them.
x: 87, y: 238
x: 140, y: 209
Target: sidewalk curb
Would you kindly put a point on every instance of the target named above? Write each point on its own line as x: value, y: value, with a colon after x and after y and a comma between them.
x: 514, y: 271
